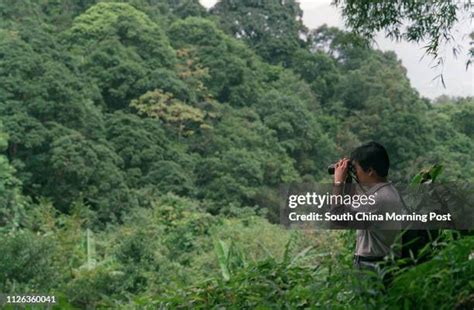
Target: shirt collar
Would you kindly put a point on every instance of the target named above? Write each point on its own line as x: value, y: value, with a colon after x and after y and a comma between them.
x: 374, y: 188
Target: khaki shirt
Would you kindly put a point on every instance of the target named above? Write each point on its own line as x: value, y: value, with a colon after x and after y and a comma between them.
x: 378, y: 238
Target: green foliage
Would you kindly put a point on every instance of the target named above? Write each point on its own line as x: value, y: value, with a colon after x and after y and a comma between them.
x: 427, y: 175
x: 120, y: 48
x: 291, y: 110
x: 348, y: 49
x: 137, y: 141
x: 428, y: 22
x: 454, y: 138
x: 163, y: 106
x: 268, y: 284
x: 33, y: 83
x: 169, y: 176
x: 235, y: 74
x: 279, y: 284
x: 12, y: 202
x: 443, y: 282
x: 27, y: 262
x: 223, y: 255
x: 272, y: 28
x: 319, y: 70
x: 243, y: 156
x: 143, y: 144
x: 121, y: 21
x: 82, y: 169
x: 188, y: 8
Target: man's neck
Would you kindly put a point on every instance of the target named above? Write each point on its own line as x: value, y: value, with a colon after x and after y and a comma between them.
x: 376, y: 180
x: 373, y: 182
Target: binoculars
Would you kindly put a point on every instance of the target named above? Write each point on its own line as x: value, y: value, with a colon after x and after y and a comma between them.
x: 350, y: 175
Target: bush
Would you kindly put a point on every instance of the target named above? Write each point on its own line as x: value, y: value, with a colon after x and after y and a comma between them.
x: 27, y: 263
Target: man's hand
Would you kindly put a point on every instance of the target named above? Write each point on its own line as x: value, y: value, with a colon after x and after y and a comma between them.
x: 340, y: 171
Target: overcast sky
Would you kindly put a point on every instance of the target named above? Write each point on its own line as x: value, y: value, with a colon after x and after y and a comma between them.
x: 459, y: 81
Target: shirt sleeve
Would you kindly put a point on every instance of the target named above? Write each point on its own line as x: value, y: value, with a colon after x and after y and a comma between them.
x: 356, y: 207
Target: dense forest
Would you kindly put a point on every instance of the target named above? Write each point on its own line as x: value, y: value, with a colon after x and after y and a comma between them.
x: 143, y: 143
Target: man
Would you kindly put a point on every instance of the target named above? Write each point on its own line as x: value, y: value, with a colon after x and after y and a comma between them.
x: 370, y: 163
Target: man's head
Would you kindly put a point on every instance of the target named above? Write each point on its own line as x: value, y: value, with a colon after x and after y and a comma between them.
x: 371, y: 162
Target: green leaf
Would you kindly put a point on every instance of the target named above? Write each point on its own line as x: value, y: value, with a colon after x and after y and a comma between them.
x: 91, y: 261
x: 301, y: 254
x: 222, y: 251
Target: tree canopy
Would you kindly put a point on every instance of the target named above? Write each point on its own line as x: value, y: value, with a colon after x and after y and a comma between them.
x: 428, y: 22
x: 139, y: 138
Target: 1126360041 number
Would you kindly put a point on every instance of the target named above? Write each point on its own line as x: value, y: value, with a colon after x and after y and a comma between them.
x: 27, y: 299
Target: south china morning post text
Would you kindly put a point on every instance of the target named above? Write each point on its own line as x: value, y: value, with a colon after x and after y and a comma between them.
x: 364, y: 216
x: 320, y: 209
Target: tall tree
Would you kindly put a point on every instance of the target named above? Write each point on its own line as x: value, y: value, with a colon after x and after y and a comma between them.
x: 414, y: 21
x: 122, y: 50
x: 273, y: 28
x: 11, y: 200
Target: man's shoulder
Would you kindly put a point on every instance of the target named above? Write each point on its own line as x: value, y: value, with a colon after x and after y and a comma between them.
x: 386, y: 188
x: 387, y: 194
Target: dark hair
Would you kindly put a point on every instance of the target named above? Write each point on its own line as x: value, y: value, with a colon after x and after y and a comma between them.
x: 372, y: 155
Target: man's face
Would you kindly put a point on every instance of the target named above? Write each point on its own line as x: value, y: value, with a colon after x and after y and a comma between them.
x: 363, y: 176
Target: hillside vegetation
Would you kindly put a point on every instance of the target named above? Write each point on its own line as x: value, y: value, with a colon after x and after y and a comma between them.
x: 143, y: 144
